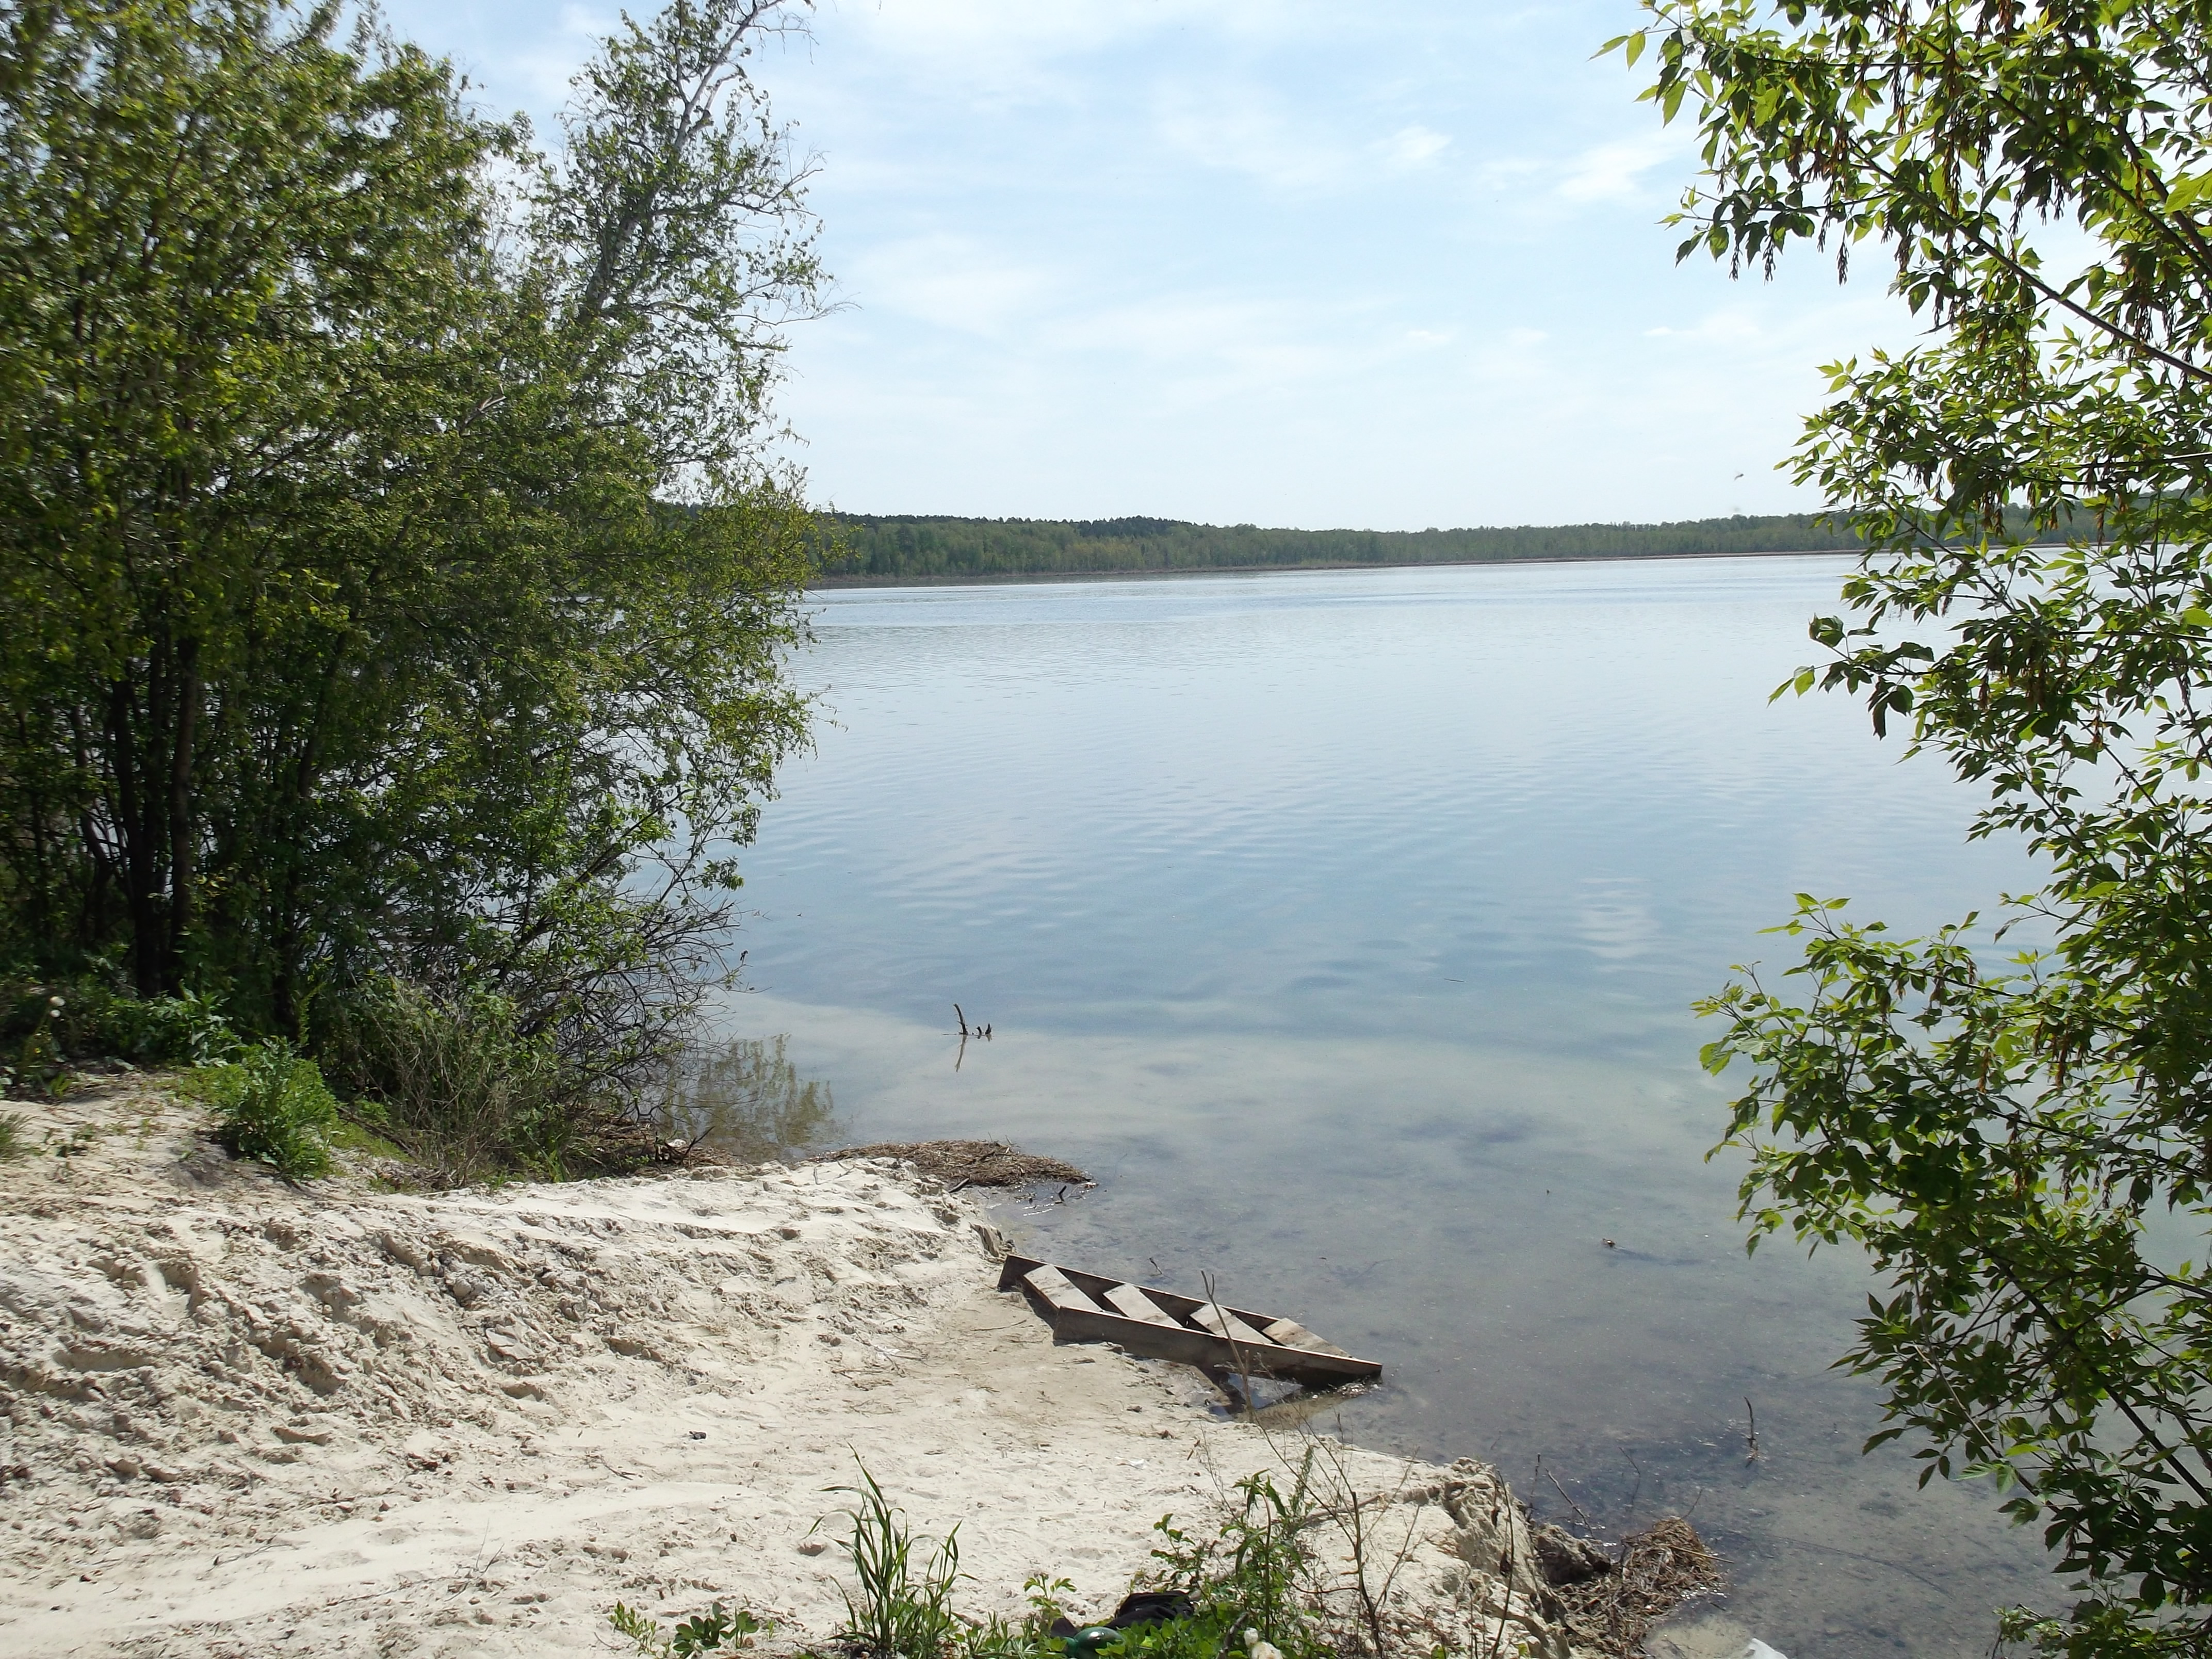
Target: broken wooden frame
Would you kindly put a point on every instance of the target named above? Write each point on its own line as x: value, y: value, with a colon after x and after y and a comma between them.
x: 1165, y: 1325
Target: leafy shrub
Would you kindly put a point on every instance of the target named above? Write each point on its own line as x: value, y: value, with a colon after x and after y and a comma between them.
x: 274, y: 1107
x: 455, y: 1082
x: 87, y: 1018
x: 184, y: 1029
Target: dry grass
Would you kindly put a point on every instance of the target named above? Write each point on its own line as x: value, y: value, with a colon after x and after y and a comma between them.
x: 1660, y: 1568
x: 960, y: 1163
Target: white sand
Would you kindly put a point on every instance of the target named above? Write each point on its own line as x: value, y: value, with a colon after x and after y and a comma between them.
x: 243, y: 1419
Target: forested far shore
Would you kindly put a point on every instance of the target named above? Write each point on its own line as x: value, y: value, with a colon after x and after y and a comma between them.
x: 862, y: 548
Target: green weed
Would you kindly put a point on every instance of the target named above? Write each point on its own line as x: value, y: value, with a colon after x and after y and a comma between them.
x: 274, y: 1109
x: 1249, y: 1581
x: 717, y: 1631
x: 40, y: 1067
x: 903, y: 1607
x: 1251, y: 1576
x: 455, y: 1081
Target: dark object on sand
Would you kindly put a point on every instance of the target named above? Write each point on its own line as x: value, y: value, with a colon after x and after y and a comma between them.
x: 1563, y: 1559
x: 1144, y: 1608
x: 1222, y: 1341
x: 960, y: 1163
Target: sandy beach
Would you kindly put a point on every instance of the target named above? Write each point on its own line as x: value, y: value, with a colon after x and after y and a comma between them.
x: 243, y: 1417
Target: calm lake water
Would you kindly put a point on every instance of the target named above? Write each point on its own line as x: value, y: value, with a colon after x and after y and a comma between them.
x: 1344, y: 925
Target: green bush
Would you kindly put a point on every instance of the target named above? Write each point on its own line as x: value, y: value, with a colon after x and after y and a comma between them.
x: 37, y: 1066
x: 274, y: 1107
x: 453, y: 1081
x: 86, y: 1018
x: 177, y: 1030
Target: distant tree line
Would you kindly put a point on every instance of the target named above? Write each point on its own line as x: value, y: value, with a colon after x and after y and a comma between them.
x: 876, y: 548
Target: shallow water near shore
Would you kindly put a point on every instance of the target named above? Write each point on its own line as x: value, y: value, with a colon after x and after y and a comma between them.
x: 1344, y: 925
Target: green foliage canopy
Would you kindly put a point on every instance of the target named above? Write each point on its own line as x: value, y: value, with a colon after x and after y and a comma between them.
x: 395, y: 581
x: 2024, y: 1146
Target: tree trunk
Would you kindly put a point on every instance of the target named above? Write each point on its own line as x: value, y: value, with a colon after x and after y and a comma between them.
x: 183, y: 834
x: 134, y: 824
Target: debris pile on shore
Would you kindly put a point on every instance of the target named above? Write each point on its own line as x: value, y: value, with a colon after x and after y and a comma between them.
x: 961, y: 1164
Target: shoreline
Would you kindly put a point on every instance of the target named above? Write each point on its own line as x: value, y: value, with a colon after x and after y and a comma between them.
x: 245, y: 1416
x: 1017, y: 578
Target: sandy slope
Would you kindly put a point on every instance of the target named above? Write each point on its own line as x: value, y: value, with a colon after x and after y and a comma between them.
x: 242, y: 1419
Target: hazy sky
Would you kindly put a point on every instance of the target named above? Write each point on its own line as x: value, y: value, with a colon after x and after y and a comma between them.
x: 1254, y: 260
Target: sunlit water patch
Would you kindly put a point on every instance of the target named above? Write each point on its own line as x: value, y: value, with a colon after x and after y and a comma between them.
x: 1345, y: 925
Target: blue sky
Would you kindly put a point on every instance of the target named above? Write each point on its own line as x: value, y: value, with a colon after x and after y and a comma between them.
x: 1253, y: 261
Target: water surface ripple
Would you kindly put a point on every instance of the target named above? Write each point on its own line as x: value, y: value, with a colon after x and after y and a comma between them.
x: 1344, y: 923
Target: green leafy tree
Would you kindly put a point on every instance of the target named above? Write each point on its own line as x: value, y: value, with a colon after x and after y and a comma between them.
x: 2021, y: 1144
x: 397, y: 582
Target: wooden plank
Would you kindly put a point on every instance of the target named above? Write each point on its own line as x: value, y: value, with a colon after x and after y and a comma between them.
x: 1128, y: 1299
x: 1223, y: 1323
x: 1072, y: 1299
x: 1292, y: 1334
x: 1209, y: 1352
x: 1052, y: 1284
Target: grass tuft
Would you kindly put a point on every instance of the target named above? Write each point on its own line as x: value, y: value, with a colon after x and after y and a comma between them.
x: 902, y: 1609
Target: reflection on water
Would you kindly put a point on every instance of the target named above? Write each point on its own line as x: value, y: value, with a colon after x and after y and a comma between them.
x: 1344, y: 925
x: 744, y: 1098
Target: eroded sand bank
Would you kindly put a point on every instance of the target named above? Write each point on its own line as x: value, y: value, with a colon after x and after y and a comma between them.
x: 241, y: 1418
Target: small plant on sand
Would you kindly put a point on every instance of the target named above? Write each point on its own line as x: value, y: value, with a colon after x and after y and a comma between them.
x: 902, y: 1609
x: 12, y: 1142
x: 1246, y: 1584
x: 717, y: 1631
x: 274, y: 1107
x: 40, y: 1069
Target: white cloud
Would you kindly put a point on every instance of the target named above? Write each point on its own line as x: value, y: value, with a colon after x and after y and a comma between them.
x: 1413, y: 146
x: 948, y: 281
x: 1230, y: 259
x: 1515, y: 357
x: 1615, y: 172
x: 1734, y: 325
x: 1242, y: 130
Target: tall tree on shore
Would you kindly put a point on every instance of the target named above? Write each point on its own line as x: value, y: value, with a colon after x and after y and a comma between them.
x: 2023, y: 1145
x: 395, y: 574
